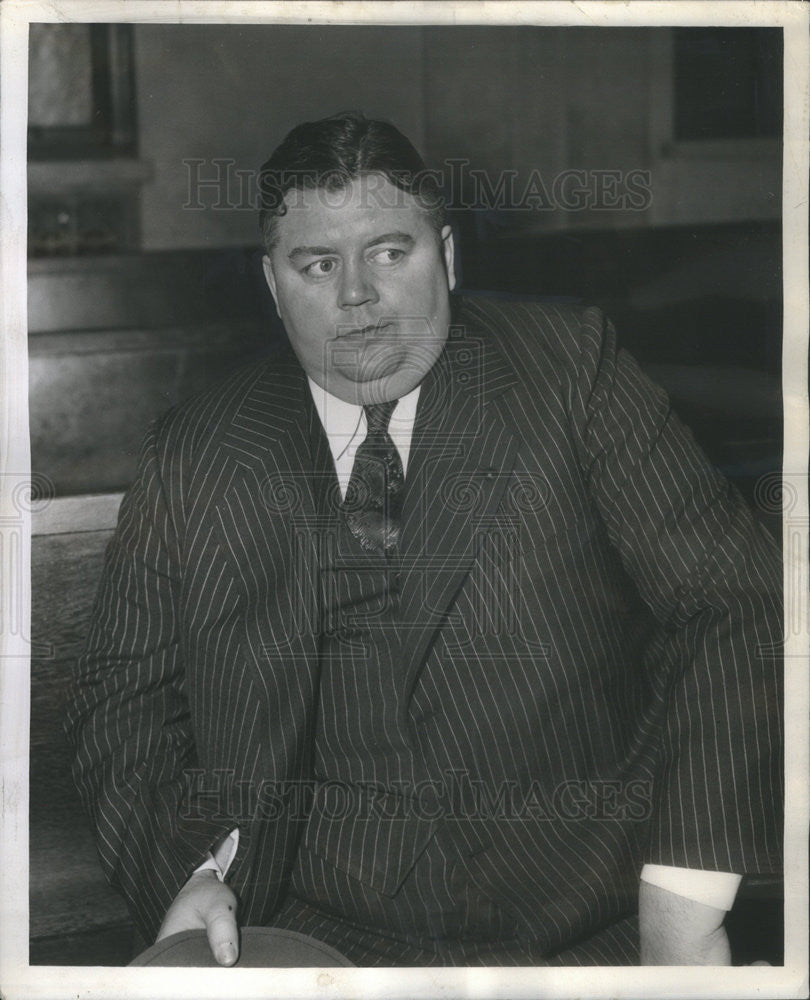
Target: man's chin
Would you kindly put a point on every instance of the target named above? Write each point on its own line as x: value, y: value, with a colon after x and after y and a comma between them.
x: 375, y: 385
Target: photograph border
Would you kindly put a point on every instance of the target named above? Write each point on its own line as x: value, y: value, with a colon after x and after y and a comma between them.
x: 17, y: 978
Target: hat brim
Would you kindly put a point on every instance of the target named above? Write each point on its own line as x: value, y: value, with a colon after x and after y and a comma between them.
x: 259, y: 948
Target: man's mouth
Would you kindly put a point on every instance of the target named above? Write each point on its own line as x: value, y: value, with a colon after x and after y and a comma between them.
x: 363, y: 331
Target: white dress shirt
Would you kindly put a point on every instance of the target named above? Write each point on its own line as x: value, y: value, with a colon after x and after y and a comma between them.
x: 345, y: 426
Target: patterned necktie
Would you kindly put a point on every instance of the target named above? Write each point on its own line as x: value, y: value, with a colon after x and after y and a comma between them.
x: 373, y: 504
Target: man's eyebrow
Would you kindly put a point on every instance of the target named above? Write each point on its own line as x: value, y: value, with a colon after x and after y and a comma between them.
x: 312, y: 252
x: 395, y: 237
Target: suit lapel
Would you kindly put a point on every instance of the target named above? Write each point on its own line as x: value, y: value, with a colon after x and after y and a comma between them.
x: 463, y: 453
x: 268, y: 517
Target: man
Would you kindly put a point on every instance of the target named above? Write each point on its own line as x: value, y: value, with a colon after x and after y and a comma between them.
x: 472, y: 677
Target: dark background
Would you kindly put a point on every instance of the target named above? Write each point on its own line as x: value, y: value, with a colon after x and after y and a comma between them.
x: 143, y: 290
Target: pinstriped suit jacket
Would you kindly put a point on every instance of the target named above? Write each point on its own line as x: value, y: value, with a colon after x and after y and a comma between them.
x: 592, y: 619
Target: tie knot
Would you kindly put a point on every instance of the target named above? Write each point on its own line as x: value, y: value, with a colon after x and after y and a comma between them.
x: 378, y: 415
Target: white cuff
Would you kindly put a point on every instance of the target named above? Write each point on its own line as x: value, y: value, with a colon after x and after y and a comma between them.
x: 716, y: 889
x: 219, y: 861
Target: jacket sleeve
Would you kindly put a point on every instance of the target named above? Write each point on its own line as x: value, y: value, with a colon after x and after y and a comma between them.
x: 712, y: 576
x: 128, y: 716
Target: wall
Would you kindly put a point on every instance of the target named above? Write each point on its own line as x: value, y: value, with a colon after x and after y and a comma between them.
x: 233, y: 92
x: 524, y: 98
x: 539, y: 99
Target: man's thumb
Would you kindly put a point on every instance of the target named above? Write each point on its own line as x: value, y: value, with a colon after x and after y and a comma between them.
x: 223, y: 937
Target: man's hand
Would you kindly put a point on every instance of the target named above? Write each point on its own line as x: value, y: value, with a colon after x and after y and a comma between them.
x: 206, y: 903
x: 679, y: 931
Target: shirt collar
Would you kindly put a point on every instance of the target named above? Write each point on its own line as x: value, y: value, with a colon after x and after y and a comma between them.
x: 342, y: 419
x: 345, y: 423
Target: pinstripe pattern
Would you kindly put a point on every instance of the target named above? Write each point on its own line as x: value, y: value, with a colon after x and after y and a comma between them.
x: 425, y: 925
x: 358, y: 743
x: 583, y: 601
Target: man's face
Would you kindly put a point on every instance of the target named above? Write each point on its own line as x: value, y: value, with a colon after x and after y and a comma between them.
x: 361, y: 281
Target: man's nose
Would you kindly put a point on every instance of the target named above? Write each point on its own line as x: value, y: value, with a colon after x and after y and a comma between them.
x: 356, y: 287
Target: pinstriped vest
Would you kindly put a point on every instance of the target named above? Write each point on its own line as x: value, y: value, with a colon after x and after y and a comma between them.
x: 367, y: 817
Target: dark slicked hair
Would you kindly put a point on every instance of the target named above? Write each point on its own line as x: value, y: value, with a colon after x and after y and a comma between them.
x: 329, y: 153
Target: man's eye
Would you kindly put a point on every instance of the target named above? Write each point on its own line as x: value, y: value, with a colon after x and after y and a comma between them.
x: 320, y: 268
x: 390, y: 255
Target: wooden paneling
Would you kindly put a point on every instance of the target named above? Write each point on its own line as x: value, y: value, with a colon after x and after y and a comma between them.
x: 92, y: 395
x: 116, y: 341
x: 68, y: 893
x: 73, y: 515
x: 146, y: 290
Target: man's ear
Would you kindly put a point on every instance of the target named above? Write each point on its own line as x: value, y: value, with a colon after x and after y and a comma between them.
x: 448, y: 249
x: 270, y: 278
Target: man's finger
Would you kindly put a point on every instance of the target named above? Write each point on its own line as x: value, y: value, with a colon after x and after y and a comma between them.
x: 222, y: 934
